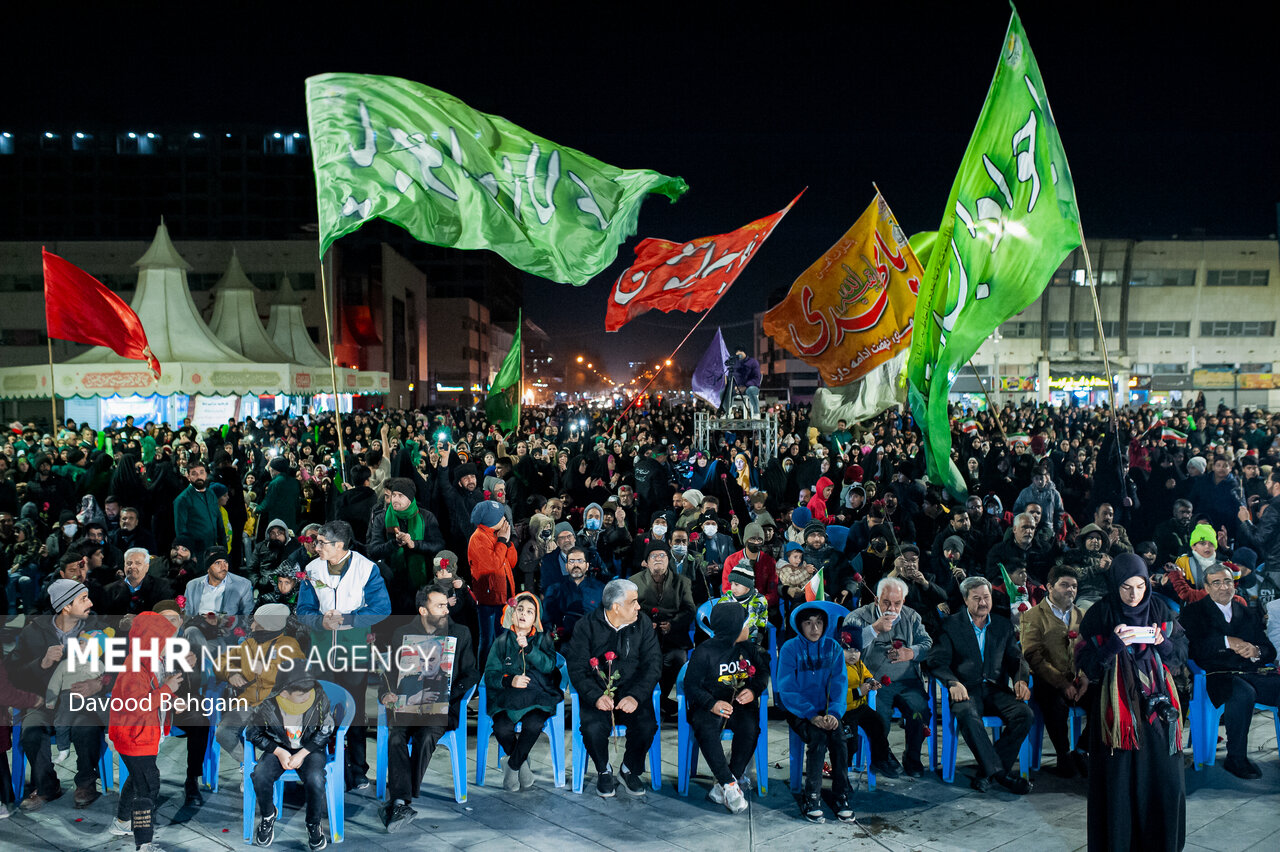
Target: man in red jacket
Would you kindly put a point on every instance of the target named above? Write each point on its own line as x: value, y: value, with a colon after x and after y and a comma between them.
x: 492, y: 558
x: 763, y: 566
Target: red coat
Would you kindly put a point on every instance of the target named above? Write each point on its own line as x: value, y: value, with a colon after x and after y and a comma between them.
x: 491, y: 561
x: 817, y: 504
x: 766, y: 572
x: 11, y: 696
x: 137, y: 731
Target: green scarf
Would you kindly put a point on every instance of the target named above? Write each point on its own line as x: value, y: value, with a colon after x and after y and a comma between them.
x: 411, y: 522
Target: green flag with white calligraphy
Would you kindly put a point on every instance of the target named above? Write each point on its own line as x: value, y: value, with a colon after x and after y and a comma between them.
x: 387, y: 148
x: 1010, y: 220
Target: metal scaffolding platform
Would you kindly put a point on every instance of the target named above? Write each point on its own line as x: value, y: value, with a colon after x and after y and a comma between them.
x: 764, y: 429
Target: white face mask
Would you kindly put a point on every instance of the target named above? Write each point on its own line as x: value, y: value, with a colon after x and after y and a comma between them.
x: 710, y: 530
x: 659, y: 530
x: 69, y: 530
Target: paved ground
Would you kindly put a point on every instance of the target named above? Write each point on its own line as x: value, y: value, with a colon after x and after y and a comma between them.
x: 1222, y: 813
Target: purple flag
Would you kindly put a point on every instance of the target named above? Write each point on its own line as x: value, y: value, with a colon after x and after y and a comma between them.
x: 708, y: 376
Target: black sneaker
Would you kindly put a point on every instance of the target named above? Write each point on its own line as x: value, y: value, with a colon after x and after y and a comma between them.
x: 361, y: 783
x: 1243, y: 768
x: 981, y: 783
x: 192, y: 795
x: 605, y: 785
x: 266, y: 830
x: 913, y: 769
x: 884, y: 769
x: 811, y: 809
x: 632, y: 784
x: 844, y: 810
x: 316, y: 838
x: 398, y: 816
x: 1013, y: 782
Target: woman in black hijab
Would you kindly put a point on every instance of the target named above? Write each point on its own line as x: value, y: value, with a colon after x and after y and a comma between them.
x: 1137, y: 793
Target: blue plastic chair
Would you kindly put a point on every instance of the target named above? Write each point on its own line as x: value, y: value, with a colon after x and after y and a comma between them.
x: 1205, y: 719
x: 344, y: 707
x: 836, y: 614
x: 455, y: 741
x: 580, y: 748
x: 687, y: 744
x: 18, y: 774
x: 554, y: 728
x: 950, y: 742
x: 837, y: 536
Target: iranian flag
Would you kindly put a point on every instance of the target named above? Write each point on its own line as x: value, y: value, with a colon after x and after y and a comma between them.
x: 814, y: 590
x: 1020, y: 438
x: 969, y: 426
x: 1170, y: 434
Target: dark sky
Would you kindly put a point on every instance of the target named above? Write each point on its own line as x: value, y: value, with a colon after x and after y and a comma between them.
x: 1169, y: 120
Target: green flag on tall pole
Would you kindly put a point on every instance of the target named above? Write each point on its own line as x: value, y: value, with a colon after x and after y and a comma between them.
x: 387, y: 148
x: 502, y: 407
x: 1015, y: 208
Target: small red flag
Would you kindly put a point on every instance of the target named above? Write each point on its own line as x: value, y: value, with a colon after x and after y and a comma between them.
x: 688, y: 276
x: 79, y: 308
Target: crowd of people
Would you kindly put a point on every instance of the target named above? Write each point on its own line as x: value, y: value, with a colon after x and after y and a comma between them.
x: 1092, y: 563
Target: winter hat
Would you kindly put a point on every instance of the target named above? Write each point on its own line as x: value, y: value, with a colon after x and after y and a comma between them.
x: 742, y: 574
x: 277, y: 523
x: 1245, y: 557
x: 279, y: 465
x: 656, y: 545
x: 402, y: 485
x: 752, y: 531
x: 694, y: 496
x: 62, y: 593
x: 1091, y: 529
x: 563, y: 526
x: 790, y: 546
x: 185, y: 541
x: 1203, y: 532
x: 213, y: 554
x: 446, y: 559
x: 954, y: 542
x: 487, y: 513
x: 271, y: 617
x: 800, y: 517
x: 219, y: 490
x: 1198, y: 464
x: 908, y: 548
x: 815, y: 527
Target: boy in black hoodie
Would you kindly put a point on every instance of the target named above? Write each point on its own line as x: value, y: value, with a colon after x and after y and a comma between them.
x: 722, y: 686
x: 291, y: 730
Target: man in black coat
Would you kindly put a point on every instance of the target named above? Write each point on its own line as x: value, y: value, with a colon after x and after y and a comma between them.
x: 616, y: 639
x: 1228, y: 641
x: 405, y: 771
x: 1263, y: 535
x: 355, y: 505
x: 975, y: 655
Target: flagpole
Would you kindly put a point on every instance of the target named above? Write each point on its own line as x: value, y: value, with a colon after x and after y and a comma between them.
x: 53, y: 394
x: 333, y: 373
x: 990, y: 404
x: 661, y: 367
x: 1102, y: 337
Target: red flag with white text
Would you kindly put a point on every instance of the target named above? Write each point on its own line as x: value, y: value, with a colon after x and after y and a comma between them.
x: 686, y: 276
x: 79, y: 308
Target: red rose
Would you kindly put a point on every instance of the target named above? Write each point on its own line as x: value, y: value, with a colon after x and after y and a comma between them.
x: 239, y: 632
x: 609, y: 656
x: 857, y: 578
x: 898, y: 643
x: 693, y: 536
x: 886, y: 680
x: 370, y: 638
x: 1073, y: 634
x: 300, y: 576
x: 594, y: 663
x: 751, y: 671
x: 182, y: 601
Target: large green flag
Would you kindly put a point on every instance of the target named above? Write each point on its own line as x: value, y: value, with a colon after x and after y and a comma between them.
x: 393, y: 149
x: 1015, y: 206
x: 502, y: 407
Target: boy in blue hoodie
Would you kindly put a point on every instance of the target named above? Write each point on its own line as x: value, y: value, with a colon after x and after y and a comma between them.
x: 812, y: 682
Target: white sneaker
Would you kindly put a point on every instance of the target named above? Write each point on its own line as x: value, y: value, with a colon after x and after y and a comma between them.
x: 150, y: 847
x: 120, y: 828
x: 717, y: 794
x: 5, y: 813
x: 63, y: 754
x: 733, y: 799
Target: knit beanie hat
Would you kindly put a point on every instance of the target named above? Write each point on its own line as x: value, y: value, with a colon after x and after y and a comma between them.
x: 1203, y: 532
x: 62, y: 593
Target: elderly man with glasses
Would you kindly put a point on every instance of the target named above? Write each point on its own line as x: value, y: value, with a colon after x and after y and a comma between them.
x: 342, y: 598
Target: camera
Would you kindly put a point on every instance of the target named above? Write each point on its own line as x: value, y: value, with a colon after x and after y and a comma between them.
x: 1161, y: 707
x: 545, y: 534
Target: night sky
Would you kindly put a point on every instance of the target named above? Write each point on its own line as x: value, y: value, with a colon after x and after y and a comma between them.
x: 1169, y: 120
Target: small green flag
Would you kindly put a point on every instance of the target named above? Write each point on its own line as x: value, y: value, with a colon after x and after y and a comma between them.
x: 388, y: 148
x: 1010, y: 219
x: 502, y: 408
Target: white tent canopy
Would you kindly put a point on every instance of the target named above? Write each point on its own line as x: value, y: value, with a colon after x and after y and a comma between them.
x: 235, y: 317
x: 193, y: 360
x: 288, y: 330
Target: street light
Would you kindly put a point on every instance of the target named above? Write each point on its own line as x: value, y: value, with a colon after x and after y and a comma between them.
x: 580, y: 359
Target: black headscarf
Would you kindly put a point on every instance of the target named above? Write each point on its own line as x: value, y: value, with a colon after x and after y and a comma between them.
x: 1125, y: 567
